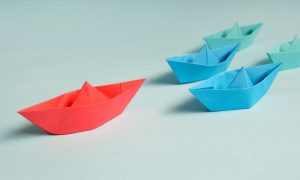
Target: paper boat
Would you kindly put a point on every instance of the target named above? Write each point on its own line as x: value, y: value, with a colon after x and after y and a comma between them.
x: 202, y: 65
x: 84, y: 109
x: 287, y: 53
x: 238, y: 89
x: 243, y: 35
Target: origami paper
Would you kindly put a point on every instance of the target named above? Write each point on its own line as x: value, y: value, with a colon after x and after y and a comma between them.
x: 202, y: 65
x: 288, y: 53
x: 84, y: 109
x: 237, y: 89
x: 243, y: 35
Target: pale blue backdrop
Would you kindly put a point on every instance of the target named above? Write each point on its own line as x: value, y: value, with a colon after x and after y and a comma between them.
x: 50, y: 47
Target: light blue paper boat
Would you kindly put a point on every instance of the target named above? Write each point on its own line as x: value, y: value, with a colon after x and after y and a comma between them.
x: 243, y: 35
x: 237, y: 89
x: 287, y: 53
x: 202, y: 65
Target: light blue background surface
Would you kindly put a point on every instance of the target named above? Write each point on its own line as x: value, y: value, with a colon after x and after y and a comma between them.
x: 50, y: 47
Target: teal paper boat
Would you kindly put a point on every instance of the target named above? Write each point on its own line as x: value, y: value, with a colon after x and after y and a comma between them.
x: 202, y: 65
x: 243, y: 35
x: 237, y: 89
x: 287, y: 53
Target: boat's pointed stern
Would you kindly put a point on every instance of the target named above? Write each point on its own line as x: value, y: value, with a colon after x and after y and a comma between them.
x: 179, y: 69
x: 49, y: 121
x: 29, y: 115
x: 23, y: 113
x: 204, y: 97
x: 27, y: 112
x: 203, y: 93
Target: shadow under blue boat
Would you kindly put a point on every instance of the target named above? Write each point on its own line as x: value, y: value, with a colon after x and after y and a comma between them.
x: 190, y: 105
x: 262, y: 61
x: 167, y: 78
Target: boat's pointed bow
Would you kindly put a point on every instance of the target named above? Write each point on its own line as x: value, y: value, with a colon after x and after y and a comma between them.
x: 256, y: 28
x: 274, y: 66
x: 139, y: 82
x: 130, y: 88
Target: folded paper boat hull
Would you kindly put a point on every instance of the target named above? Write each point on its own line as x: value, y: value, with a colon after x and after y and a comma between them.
x: 68, y: 120
x: 289, y: 59
x: 186, y: 73
x: 234, y: 99
x: 189, y: 72
x: 216, y: 40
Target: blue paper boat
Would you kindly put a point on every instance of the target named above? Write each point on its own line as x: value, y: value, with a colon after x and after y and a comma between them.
x: 244, y: 35
x: 237, y: 89
x: 288, y: 53
x: 202, y: 65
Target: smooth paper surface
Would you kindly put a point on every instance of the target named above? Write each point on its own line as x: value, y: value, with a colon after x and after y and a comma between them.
x: 243, y: 35
x: 288, y: 53
x: 202, y: 65
x: 84, y: 109
x: 237, y: 89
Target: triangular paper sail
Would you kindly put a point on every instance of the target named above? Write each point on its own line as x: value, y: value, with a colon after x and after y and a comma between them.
x: 88, y: 95
x: 84, y: 109
x: 242, y: 35
x: 202, y: 65
x: 241, y: 80
x: 237, y: 89
x: 206, y: 57
x: 235, y: 31
x: 288, y: 53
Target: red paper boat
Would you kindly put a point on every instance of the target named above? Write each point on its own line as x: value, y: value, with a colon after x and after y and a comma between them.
x: 84, y: 109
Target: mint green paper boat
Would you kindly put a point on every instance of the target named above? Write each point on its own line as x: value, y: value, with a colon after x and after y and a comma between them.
x: 243, y: 35
x: 288, y: 53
